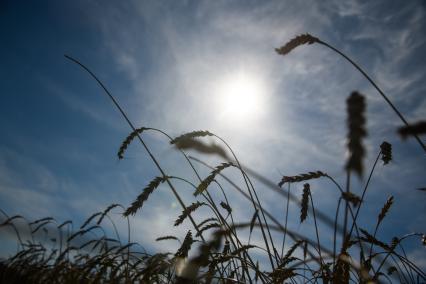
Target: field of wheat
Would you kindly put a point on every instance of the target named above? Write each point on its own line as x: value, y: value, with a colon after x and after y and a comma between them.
x: 219, y: 247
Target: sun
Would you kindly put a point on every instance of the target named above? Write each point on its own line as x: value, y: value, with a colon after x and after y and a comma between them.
x: 240, y: 97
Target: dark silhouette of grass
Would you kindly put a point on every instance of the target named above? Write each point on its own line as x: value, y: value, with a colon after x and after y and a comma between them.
x: 227, y: 256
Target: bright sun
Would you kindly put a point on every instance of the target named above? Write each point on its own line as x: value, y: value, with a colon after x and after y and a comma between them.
x: 240, y: 97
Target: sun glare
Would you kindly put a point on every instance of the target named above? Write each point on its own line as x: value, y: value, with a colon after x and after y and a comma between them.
x: 241, y: 97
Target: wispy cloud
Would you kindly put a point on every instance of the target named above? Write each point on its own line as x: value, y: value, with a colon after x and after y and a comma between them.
x: 174, y: 57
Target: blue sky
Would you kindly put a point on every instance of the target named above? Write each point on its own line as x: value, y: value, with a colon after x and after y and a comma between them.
x: 171, y: 65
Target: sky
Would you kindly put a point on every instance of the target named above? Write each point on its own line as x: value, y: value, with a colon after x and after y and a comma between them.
x: 181, y: 66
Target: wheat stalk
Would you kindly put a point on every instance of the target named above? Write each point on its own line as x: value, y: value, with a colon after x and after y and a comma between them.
x: 415, y: 129
x: 163, y: 238
x: 226, y: 207
x: 185, y: 213
x: 386, y: 150
x: 304, y: 204
x: 209, y: 179
x: 301, y: 177
x: 356, y: 125
x: 146, y: 192
x: 385, y: 209
x: 295, y: 42
x: 351, y: 197
x: 207, y: 227
x: 191, y: 135
x: 190, y: 143
x: 129, y: 140
x: 109, y: 208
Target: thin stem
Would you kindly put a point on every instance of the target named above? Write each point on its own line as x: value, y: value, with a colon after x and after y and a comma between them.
x: 399, y: 271
x: 376, y: 87
x: 316, y: 228
x: 264, y: 219
x: 405, y: 255
x: 364, y: 192
x: 335, y: 230
x: 246, y: 180
x: 345, y: 220
x: 286, y: 219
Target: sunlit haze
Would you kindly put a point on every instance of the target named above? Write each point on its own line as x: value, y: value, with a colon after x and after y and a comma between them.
x: 241, y: 98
